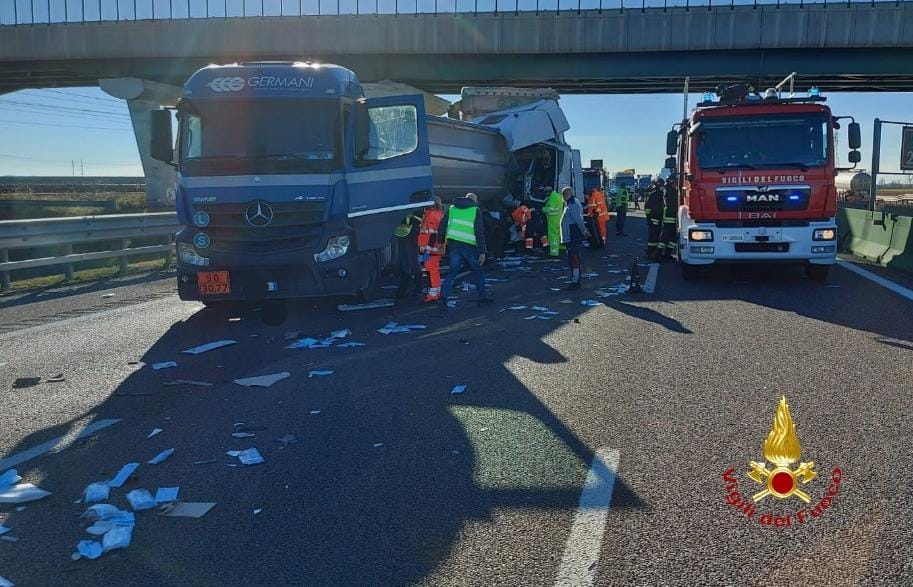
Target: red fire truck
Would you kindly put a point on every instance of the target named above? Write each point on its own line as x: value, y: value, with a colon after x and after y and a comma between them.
x: 756, y: 180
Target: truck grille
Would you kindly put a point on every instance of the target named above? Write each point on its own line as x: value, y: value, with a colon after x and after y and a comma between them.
x: 750, y: 199
x: 762, y: 247
x: 295, y: 225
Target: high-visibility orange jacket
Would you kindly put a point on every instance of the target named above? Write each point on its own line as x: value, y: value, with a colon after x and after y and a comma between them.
x: 597, y: 205
x: 428, y: 232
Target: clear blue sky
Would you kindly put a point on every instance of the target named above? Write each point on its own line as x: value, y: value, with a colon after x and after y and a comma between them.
x: 44, y: 130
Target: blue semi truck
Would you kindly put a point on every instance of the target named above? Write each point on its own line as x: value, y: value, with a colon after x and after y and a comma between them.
x: 290, y: 181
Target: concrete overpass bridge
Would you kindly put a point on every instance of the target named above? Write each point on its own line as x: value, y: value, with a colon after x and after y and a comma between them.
x: 137, y: 54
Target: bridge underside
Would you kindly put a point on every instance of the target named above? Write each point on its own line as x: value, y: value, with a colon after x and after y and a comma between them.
x: 851, y: 70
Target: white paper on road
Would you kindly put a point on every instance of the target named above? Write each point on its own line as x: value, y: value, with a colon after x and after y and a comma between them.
x: 250, y: 456
x: 6, y: 583
x: 22, y: 493
x: 182, y: 509
x: 550, y: 313
x: 393, y: 328
x: 319, y: 373
x: 4, y: 530
x: 517, y: 308
x: 590, y: 303
x: 140, y: 499
x: 89, y: 549
x: 302, y: 343
x: 9, y: 478
x: 288, y: 439
x: 351, y: 345
x: 458, y: 389
x: 415, y: 326
x: 160, y: 458
x: 154, y: 432
x: 262, y: 380
x: 242, y: 434
x: 340, y: 333
x: 165, y: 365
x: 533, y: 317
x: 210, y: 346
x: 166, y: 494
x: 117, y: 537
x: 368, y: 306
x: 539, y: 309
x: 96, y: 492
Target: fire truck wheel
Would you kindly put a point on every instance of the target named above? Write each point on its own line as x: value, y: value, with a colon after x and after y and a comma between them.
x: 817, y: 272
x: 690, y: 272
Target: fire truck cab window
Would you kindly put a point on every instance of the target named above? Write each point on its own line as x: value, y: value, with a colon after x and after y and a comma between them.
x: 764, y: 141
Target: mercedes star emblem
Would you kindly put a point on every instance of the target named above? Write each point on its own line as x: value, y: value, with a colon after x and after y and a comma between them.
x: 258, y: 214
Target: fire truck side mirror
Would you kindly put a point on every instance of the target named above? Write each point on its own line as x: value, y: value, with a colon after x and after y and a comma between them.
x: 855, y: 135
x: 671, y: 142
x: 855, y: 157
x: 161, y: 140
x: 670, y: 163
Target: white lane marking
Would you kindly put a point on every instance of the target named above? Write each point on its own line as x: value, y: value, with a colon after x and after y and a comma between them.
x: 92, y: 316
x: 898, y: 289
x: 56, y: 444
x: 581, y: 552
x: 650, y: 281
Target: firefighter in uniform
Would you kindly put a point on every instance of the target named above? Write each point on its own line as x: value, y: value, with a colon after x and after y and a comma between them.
x: 669, y: 239
x: 431, y: 249
x: 522, y: 216
x: 621, y: 209
x: 597, y: 207
x: 553, y: 209
x: 653, y: 210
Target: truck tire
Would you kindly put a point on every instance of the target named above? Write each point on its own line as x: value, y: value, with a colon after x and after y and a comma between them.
x: 817, y: 272
x: 690, y: 272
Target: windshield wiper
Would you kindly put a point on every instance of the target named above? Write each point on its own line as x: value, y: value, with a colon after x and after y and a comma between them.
x: 800, y: 165
x: 723, y: 168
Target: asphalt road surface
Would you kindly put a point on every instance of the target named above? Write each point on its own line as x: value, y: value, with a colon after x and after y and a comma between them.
x: 588, y: 448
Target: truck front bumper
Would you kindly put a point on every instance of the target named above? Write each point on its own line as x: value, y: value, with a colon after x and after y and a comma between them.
x: 758, y: 244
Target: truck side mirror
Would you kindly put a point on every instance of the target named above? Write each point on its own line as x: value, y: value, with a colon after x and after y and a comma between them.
x: 161, y: 141
x: 855, y: 135
x: 855, y: 157
x: 670, y: 163
x: 671, y: 142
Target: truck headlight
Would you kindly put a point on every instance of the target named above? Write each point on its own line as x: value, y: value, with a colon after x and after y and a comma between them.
x: 337, y: 246
x: 187, y: 254
x: 824, y: 234
x: 700, y: 235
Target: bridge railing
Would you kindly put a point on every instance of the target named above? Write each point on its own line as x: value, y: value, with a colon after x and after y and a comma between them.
x: 59, y: 235
x: 38, y: 12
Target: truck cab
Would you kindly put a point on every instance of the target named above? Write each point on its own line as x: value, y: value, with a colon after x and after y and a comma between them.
x: 756, y: 180
x: 290, y: 182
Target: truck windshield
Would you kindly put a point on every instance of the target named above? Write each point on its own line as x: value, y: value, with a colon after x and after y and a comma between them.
x: 763, y: 141
x: 233, y: 137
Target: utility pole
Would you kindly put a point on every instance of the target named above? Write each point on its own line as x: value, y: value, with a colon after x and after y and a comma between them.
x: 73, y: 167
x: 82, y: 168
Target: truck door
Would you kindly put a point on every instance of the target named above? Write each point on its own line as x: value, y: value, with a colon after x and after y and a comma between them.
x: 389, y: 174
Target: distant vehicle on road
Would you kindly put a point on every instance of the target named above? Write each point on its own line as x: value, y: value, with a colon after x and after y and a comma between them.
x: 853, y: 186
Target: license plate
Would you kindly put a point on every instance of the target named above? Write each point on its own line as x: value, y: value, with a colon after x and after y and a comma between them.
x: 214, y: 283
x: 733, y: 237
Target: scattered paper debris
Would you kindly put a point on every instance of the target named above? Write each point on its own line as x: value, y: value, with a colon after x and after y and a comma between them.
x: 154, y: 432
x: 378, y: 444
x: 539, y: 309
x: 257, y: 511
x: 117, y: 537
x: 166, y: 495
x: 4, y: 530
x: 89, y: 549
x: 22, y: 493
x: 165, y: 365
x: 319, y: 373
x: 188, y: 382
x: 340, y: 333
x: 107, y: 295
x: 262, y: 380
x: 367, y: 306
x: 205, y: 462
x: 140, y: 499
x: 250, y: 456
x: 183, y: 509
x: 550, y: 313
x: 209, y: 347
x: 315, y: 412
x: 590, y: 275
x: 243, y: 434
x: 303, y: 343
x: 517, y: 308
x: 351, y: 345
x: 9, y: 539
x: 160, y: 458
x: 96, y: 492
x: 288, y: 439
x: 394, y: 328
x: 590, y: 303
x: 59, y: 378
x: 6, y: 583
x: 458, y: 389
x: 9, y: 478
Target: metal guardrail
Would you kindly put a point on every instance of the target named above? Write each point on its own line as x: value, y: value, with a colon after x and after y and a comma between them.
x: 66, y: 232
x: 34, y: 12
x: 109, y: 205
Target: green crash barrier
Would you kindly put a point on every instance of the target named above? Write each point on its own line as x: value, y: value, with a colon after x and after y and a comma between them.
x: 886, y: 239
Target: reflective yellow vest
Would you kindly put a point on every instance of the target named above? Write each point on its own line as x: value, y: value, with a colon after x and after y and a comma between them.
x: 461, y: 225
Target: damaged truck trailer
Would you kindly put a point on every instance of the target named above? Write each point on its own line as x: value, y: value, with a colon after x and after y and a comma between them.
x: 291, y: 181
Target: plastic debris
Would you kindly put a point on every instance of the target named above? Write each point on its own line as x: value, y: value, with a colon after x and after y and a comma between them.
x: 288, y: 439
x: 166, y: 495
x: 351, y: 345
x: 165, y: 365
x: 458, y: 389
x: 4, y: 530
x: 250, y: 456
x: 319, y: 373
x: 123, y: 474
x: 160, y: 458
x: 590, y: 303
x: 140, y: 499
x: 209, y: 346
x: 242, y: 434
x: 89, y: 549
x: 367, y: 306
x: 182, y: 509
x: 262, y: 380
x: 96, y: 492
x: 154, y: 432
x: 188, y: 382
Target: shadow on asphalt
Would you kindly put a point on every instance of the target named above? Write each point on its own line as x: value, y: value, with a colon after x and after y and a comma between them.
x: 67, y: 290
x: 337, y: 508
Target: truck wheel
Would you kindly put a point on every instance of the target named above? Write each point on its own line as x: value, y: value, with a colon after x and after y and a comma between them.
x: 817, y: 272
x: 690, y: 272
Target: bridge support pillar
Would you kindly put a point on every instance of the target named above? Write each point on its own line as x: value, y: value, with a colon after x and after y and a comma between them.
x: 144, y: 96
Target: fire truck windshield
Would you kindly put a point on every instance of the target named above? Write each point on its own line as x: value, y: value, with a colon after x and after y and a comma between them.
x: 762, y: 141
